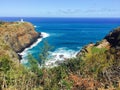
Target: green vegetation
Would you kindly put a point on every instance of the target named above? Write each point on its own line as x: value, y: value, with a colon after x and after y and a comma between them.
x: 44, y: 53
x: 1, y: 22
x: 66, y: 76
x: 97, y: 50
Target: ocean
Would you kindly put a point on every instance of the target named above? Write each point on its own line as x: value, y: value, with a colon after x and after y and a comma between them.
x: 66, y: 35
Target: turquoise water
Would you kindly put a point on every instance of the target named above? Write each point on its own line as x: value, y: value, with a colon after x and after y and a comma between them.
x: 69, y: 35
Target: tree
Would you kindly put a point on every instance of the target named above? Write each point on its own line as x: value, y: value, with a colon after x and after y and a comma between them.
x: 44, y: 53
x: 34, y: 65
x: 1, y: 22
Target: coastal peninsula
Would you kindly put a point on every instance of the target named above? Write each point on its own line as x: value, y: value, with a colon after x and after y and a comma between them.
x: 15, y: 37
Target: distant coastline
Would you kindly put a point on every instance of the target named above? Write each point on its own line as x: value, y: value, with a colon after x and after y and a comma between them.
x: 50, y: 19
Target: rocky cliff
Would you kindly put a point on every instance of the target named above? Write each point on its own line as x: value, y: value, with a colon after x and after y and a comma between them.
x: 102, y: 59
x: 114, y: 38
x: 15, y: 37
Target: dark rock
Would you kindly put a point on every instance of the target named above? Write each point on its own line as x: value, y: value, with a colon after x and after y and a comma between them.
x: 59, y: 62
x: 114, y: 38
x: 61, y: 56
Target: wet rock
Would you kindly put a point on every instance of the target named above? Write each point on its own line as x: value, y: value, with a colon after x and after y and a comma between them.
x: 59, y: 62
x: 61, y: 56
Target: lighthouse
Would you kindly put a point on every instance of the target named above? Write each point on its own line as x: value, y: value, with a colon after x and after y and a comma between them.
x: 22, y: 20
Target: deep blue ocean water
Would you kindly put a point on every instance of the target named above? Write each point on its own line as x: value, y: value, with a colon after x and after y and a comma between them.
x: 69, y: 35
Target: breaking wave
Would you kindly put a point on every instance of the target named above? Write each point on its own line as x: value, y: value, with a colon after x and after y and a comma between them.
x: 26, y: 50
x: 59, y: 55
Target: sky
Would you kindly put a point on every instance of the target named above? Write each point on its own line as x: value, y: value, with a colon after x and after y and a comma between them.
x: 59, y: 8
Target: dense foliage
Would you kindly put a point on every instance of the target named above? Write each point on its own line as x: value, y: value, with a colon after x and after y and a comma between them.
x: 98, y: 69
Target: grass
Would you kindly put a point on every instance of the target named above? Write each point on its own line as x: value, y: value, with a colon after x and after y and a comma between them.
x: 96, y: 50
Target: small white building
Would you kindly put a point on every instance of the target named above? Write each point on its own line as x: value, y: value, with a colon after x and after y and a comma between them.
x: 22, y: 20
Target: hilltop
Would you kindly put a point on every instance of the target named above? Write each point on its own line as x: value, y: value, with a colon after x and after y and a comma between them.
x: 15, y: 37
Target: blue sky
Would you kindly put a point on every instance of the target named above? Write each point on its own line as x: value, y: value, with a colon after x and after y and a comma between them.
x: 60, y: 8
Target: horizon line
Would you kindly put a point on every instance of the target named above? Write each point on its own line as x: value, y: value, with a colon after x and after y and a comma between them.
x: 50, y: 17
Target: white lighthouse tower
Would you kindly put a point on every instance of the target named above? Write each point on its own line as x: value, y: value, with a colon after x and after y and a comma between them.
x: 21, y: 20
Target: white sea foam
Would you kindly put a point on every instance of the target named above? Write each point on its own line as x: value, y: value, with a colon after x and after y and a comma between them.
x: 60, y: 55
x: 35, y: 26
x: 45, y: 34
x: 55, y: 57
x: 24, y: 61
x: 26, y: 51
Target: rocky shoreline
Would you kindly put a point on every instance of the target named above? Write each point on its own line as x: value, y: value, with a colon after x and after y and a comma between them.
x: 27, y: 46
x: 32, y: 42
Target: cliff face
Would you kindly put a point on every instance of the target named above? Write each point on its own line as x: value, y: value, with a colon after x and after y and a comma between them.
x: 15, y: 37
x: 114, y: 38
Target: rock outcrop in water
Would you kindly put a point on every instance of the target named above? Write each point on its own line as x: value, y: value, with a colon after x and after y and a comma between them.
x: 15, y: 37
